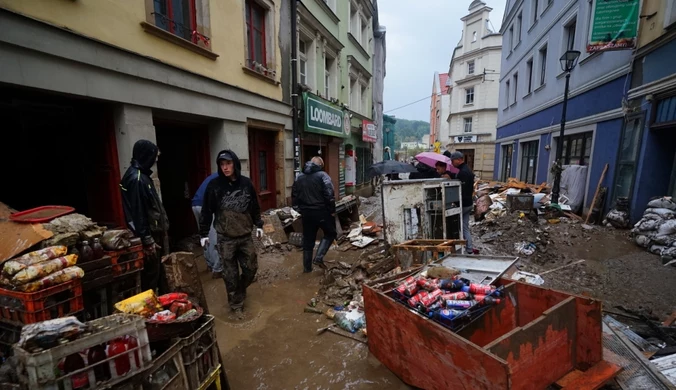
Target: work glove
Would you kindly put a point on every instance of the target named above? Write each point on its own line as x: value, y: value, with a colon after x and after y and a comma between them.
x: 204, y: 242
x: 259, y: 233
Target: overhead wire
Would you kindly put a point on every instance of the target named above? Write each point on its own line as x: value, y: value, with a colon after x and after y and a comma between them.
x: 412, y: 103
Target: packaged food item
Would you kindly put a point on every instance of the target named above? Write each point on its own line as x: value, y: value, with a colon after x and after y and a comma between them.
x: 168, y: 299
x: 408, y: 287
x: 144, y: 304
x: 13, y: 266
x: 189, y: 314
x: 456, y: 296
x: 73, y: 363
x: 180, y: 307
x: 98, y: 249
x: 95, y: 355
x: 114, y: 240
x: 461, y: 305
x: 451, y: 284
x: 58, y: 277
x: 40, y: 270
x: 122, y: 363
x: 46, y: 334
x: 448, y: 314
x: 427, y: 299
x: 163, y: 316
x: 428, y: 284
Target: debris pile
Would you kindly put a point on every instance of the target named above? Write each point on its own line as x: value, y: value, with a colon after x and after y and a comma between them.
x: 495, y: 199
x: 656, y: 231
x: 70, y: 229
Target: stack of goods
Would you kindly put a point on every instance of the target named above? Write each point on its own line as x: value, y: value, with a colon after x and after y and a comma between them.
x: 446, y: 300
x: 656, y: 231
x: 40, y: 269
x: 71, y: 229
x: 163, y: 309
x: 115, y: 240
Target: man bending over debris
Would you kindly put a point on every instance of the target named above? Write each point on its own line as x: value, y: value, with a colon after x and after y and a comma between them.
x: 232, y: 202
x: 314, y: 198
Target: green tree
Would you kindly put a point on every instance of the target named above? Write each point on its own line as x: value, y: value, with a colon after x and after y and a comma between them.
x: 409, y: 131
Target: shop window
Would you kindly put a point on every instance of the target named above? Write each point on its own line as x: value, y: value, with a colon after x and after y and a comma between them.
x: 529, y: 161
x: 627, y: 157
x: 506, y: 170
x: 256, y: 34
x: 577, y: 149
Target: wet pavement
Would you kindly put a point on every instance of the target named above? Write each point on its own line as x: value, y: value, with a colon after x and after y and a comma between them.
x: 276, y: 346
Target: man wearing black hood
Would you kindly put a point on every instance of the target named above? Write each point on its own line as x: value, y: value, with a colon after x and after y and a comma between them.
x: 144, y: 212
x: 313, y: 196
x: 231, y: 200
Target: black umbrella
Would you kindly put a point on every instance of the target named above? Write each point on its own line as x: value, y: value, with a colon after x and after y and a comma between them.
x: 390, y: 167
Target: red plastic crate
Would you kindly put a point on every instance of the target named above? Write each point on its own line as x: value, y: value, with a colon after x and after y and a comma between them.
x: 126, y: 261
x: 53, y: 302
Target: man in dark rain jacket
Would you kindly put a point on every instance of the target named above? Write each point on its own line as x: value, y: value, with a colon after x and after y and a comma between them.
x: 231, y: 200
x: 313, y: 196
x: 144, y: 212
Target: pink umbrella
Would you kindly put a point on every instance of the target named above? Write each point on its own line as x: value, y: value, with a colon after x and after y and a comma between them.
x: 431, y: 158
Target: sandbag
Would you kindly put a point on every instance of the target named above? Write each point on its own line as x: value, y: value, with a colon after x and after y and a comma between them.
x: 647, y: 225
x: 667, y: 227
x: 670, y: 252
x: 663, y: 213
x: 662, y: 203
x: 665, y: 240
x: 657, y: 249
x: 619, y: 219
x: 642, y: 240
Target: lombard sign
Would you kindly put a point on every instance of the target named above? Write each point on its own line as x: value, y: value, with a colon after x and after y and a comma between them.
x: 323, y: 117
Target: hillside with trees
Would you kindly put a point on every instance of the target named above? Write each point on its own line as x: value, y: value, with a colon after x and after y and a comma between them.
x: 409, y: 131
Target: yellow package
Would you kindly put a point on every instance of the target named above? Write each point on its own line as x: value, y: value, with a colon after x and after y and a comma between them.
x: 40, y: 270
x: 13, y: 266
x: 144, y: 304
x: 58, y: 277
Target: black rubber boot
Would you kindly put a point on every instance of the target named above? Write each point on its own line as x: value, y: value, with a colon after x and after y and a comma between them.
x: 324, y: 246
x: 307, y: 261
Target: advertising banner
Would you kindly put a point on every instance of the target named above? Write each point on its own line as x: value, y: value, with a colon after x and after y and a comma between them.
x: 614, y: 25
x: 368, y: 130
x: 323, y: 117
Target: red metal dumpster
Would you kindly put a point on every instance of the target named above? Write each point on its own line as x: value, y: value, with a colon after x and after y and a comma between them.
x: 534, y: 338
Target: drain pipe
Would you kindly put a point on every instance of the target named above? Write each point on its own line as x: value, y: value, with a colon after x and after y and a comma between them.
x: 294, y: 87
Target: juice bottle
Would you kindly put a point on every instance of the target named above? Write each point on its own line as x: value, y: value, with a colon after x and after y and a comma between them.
x: 98, y: 249
x: 86, y: 253
x: 132, y: 343
x: 73, y: 363
x: 97, y: 354
x: 122, y: 364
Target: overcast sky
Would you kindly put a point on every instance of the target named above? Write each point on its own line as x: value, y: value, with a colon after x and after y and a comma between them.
x: 421, y: 36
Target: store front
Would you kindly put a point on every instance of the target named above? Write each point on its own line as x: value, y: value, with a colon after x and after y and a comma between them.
x: 325, y: 128
x: 359, y: 156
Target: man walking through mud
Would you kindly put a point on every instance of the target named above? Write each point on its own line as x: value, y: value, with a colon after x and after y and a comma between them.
x: 230, y: 200
x: 145, y: 214
x: 314, y: 198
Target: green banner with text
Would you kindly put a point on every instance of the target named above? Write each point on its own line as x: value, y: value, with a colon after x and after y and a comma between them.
x: 324, y: 117
x: 614, y: 25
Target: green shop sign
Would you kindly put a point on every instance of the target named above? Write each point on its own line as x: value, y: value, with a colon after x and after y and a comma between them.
x: 614, y: 25
x: 323, y: 117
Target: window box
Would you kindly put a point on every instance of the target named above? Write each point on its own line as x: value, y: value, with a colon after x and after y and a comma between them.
x: 168, y: 36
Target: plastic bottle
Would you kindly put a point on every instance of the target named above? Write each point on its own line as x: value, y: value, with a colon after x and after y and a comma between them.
x: 86, y: 253
x: 73, y: 363
x: 461, y: 305
x: 97, y: 354
x: 122, y: 364
x: 131, y: 344
x: 479, y: 289
x: 98, y: 249
x: 72, y: 250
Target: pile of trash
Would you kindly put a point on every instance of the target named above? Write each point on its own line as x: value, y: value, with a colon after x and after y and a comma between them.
x: 656, y: 231
x: 618, y: 217
x: 492, y: 197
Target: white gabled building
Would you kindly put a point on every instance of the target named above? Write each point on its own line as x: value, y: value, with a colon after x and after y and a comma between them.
x: 474, y: 72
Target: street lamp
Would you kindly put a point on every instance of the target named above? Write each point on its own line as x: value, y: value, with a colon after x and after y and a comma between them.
x: 568, y: 62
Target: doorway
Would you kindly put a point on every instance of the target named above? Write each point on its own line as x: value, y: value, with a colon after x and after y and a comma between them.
x: 263, y: 168
x: 469, y: 157
x: 182, y: 166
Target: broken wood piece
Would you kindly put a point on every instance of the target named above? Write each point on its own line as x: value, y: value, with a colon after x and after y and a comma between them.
x: 592, y: 379
x: 596, y: 194
x: 670, y: 320
x: 324, y: 329
x: 573, y: 216
x: 349, y: 335
x: 561, y: 267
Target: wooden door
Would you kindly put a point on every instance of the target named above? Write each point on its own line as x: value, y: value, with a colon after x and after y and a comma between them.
x: 262, y: 158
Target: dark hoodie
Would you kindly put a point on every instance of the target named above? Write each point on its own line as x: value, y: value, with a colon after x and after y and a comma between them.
x: 313, y: 190
x: 232, y: 203
x: 143, y: 208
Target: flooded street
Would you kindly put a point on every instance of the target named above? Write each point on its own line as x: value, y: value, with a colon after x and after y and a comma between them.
x: 276, y: 345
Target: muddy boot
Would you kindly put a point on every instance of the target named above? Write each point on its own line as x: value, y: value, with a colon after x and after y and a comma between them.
x: 307, y: 261
x: 324, y: 246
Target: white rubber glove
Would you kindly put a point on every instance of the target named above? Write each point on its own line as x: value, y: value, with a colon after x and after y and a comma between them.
x: 259, y: 233
x: 204, y: 242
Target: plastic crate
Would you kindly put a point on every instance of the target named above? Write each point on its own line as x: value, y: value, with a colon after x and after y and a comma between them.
x: 96, y: 304
x: 200, y: 353
x: 168, y: 364
x: 53, y: 302
x: 127, y: 260
x: 38, y: 369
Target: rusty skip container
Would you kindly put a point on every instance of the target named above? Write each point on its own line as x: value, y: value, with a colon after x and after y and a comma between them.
x: 532, y: 339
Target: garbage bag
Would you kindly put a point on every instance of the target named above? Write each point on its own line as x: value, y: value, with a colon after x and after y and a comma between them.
x: 46, y: 334
x: 662, y: 203
x: 619, y: 219
x: 115, y: 240
x: 670, y: 251
x: 43, y: 269
x: 58, y: 277
x: 13, y: 266
x: 482, y: 205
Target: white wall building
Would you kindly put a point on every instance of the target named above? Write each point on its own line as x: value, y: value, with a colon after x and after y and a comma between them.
x: 474, y: 72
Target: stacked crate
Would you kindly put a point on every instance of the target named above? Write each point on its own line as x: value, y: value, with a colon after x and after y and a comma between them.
x: 126, y: 267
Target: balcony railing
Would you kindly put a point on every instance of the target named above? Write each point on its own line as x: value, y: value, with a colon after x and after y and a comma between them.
x: 180, y: 30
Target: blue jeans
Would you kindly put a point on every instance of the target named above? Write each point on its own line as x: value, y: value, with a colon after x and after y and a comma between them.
x: 210, y: 253
x: 466, y: 212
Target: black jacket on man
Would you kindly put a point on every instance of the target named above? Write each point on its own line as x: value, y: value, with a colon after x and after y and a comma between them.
x: 142, y: 206
x: 466, y: 176
x: 313, y: 190
x: 232, y: 203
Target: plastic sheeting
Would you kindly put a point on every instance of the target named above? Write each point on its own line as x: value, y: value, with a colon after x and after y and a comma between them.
x: 573, y: 183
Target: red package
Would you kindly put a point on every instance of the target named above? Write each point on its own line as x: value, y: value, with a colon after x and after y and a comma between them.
x: 458, y: 296
x: 180, y: 307
x: 428, y: 298
x: 428, y: 284
x: 168, y: 299
x: 479, y: 289
x: 409, y: 287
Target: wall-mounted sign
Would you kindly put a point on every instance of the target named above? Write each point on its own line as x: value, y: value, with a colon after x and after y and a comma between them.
x: 465, y: 139
x: 368, y: 130
x: 614, y: 25
x: 323, y: 117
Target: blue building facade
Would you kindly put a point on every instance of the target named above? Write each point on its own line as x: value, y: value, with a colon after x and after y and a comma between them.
x: 535, y: 35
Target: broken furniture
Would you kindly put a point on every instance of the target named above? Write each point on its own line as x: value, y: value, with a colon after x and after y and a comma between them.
x: 413, y: 252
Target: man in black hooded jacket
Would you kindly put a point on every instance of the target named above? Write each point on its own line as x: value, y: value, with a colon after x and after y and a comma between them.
x: 144, y: 212
x: 231, y: 200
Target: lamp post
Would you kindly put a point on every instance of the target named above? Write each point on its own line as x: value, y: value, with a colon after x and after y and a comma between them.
x: 568, y: 61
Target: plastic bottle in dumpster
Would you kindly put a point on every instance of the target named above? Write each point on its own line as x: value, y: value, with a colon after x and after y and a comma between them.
x: 459, y: 305
x: 451, y: 284
x: 430, y: 310
x: 489, y: 301
x: 122, y: 364
x: 474, y: 288
x: 448, y: 314
x: 408, y: 287
x: 97, y: 354
x: 428, y: 284
x: 98, y: 249
x: 428, y: 298
x: 73, y: 363
x: 456, y: 296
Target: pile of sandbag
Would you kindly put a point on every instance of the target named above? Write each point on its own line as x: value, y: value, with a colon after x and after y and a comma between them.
x: 656, y: 231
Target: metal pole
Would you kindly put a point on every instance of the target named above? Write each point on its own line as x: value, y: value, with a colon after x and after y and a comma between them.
x: 558, y: 163
x: 294, y: 87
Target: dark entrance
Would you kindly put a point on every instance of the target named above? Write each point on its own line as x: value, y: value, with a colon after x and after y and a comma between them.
x: 183, y: 164
x: 263, y: 167
x: 529, y: 161
x: 469, y: 157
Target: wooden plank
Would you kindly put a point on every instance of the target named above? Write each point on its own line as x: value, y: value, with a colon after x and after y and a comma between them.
x: 533, y: 301
x: 542, y: 351
x: 569, y: 378
x: 596, y: 194
x: 589, y: 332
x: 434, y: 357
x: 594, y: 378
x: 494, y: 323
x: 17, y: 237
